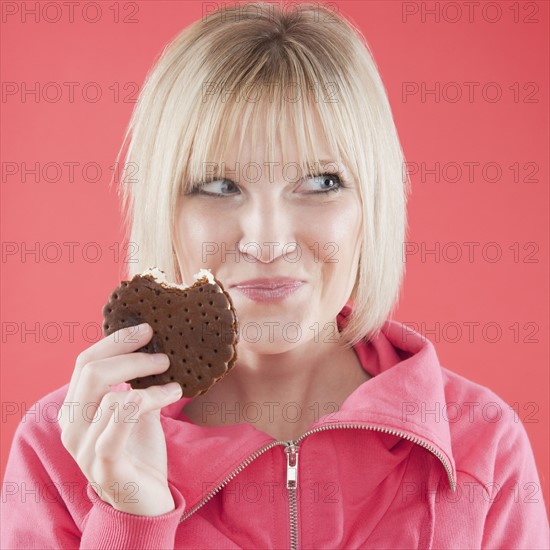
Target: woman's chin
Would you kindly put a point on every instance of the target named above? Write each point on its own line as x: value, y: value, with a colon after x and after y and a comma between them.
x: 266, y: 329
x: 265, y: 346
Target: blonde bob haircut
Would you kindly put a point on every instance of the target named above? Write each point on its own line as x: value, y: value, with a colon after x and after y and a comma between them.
x: 202, y: 94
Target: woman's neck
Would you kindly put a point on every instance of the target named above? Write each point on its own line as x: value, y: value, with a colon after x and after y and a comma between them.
x: 281, y: 394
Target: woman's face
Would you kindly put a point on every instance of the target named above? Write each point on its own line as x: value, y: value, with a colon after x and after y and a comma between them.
x: 274, y: 222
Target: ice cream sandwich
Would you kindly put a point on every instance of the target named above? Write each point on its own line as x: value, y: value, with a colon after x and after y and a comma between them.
x: 196, y: 326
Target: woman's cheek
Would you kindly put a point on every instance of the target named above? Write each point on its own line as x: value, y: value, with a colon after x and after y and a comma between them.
x: 199, y: 235
x: 339, y: 238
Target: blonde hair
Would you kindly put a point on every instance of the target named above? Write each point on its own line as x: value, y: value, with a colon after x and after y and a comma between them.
x: 202, y: 93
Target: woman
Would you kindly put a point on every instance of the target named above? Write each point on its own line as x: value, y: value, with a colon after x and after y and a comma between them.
x: 266, y: 150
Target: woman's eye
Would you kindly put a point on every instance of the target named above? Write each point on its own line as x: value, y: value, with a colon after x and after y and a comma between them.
x: 219, y: 187
x: 321, y: 183
x: 325, y: 182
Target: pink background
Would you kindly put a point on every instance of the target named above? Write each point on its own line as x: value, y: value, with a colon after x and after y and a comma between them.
x: 63, y: 296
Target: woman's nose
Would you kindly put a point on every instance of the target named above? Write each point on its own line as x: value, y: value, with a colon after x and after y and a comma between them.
x: 268, y: 231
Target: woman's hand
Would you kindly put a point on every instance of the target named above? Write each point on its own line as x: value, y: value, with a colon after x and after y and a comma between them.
x: 122, y: 450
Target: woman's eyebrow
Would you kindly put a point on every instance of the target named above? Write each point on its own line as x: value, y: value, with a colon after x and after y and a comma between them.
x: 331, y: 165
x: 234, y: 171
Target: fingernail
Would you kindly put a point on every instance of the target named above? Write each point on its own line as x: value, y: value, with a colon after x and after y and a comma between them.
x: 172, y: 389
x: 161, y: 358
x: 144, y: 327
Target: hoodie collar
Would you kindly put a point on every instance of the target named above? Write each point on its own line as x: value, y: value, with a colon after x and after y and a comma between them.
x: 405, y: 396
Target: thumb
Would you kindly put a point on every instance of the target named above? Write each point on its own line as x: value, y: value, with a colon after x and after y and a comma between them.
x: 170, y: 392
x: 156, y: 397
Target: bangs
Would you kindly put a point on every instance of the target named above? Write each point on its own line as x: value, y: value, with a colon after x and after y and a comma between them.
x: 291, y: 106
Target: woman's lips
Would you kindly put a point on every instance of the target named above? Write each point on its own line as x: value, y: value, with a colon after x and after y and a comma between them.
x: 264, y: 290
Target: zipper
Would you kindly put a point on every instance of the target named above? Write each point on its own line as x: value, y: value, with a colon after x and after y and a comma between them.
x: 292, y: 484
x: 390, y: 431
x: 291, y: 449
x: 236, y: 471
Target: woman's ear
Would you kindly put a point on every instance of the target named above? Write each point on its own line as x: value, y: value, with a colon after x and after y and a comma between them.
x: 175, y: 261
x: 177, y: 271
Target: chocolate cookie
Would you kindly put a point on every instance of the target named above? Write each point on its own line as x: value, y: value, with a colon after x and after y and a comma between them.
x: 195, y: 326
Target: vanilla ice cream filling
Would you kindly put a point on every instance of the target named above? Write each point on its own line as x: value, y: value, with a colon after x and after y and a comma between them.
x: 160, y: 277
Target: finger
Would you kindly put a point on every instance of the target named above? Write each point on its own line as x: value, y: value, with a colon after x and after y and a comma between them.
x: 97, y: 376
x: 79, y: 440
x: 111, y: 444
x: 123, y: 341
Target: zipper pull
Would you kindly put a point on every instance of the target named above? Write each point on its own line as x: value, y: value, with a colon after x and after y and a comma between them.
x: 291, y: 466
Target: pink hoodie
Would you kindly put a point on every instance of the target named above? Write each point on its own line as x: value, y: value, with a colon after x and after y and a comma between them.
x: 416, y: 457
